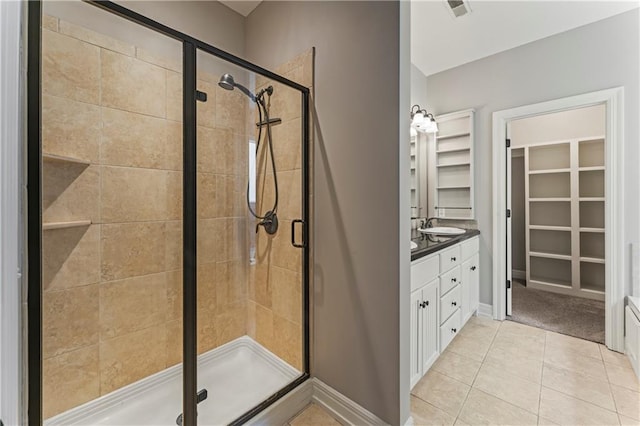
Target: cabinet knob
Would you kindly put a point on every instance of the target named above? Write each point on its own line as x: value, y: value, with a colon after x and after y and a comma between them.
x: 454, y: 303
x: 454, y: 280
x: 473, y: 268
x: 453, y: 259
x: 454, y: 330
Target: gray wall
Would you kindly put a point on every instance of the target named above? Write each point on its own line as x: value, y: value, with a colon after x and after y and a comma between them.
x: 356, y: 188
x: 598, y: 56
x: 518, y: 245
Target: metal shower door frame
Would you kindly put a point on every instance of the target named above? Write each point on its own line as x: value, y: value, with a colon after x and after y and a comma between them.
x: 34, y: 215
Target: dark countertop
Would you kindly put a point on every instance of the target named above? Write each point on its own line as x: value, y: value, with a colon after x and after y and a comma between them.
x: 428, y: 244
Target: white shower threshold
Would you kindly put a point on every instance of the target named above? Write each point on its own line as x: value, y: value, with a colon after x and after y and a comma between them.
x: 238, y: 376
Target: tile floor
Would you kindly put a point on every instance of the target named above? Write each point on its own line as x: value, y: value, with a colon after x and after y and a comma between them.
x: 509, y: 373
x: 313, y: 415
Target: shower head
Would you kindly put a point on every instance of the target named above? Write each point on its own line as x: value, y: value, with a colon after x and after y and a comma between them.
x: 227, y: 82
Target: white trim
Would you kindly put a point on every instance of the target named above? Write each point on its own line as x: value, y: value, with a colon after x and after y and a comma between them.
x: 314, y: 390
x: 11, y: 62
x: 343, y: 409
x: 518, y: 274
x: 79, y: 414
x: 485, y: 310
x: 614, y: 210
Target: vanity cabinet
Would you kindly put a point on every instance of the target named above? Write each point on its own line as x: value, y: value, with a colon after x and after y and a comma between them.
x: 444, y: 295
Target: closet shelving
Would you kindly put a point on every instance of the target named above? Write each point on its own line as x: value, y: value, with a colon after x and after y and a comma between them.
x: 454, y: 166
x: 564, y: 188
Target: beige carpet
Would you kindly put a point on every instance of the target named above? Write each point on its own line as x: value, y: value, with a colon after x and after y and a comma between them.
x: 574, y: 316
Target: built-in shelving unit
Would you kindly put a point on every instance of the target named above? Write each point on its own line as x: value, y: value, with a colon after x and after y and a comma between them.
x: 415, y: 175
x: 564, y: 189
x: 454, y: 166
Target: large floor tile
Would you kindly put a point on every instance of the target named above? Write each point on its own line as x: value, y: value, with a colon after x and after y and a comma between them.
x: 565, y: 358
x: 579, y: 346
x: 627, y: 402
x: 522, y: 330
x: 442, y: 391
x: 516, y: 364
x: 424, y: 413
x: 512, y: 389
x: 627, y: 421
x: 484, y: 409
x: 613, y: 357
x: 567, y: 410
x: 578, y: 385
x: 622, y: 376
x: 314, y: 415
x: 478, y: 331
x: 518, y: 346
x: 457, y: 366
x: 469, y: 347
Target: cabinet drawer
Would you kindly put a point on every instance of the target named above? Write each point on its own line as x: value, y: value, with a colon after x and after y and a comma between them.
x: 449, y: 280
x: 450, y: 303
x: 449, y: 258
x: 469, y: 248
x: 424, y: 271
x: 449, y: 329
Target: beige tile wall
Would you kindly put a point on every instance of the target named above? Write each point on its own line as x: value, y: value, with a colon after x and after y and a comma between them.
x: 113, y: 290
x: 275, y: 283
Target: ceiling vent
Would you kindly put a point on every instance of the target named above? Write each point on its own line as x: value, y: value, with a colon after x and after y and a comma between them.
x: 458, y: 8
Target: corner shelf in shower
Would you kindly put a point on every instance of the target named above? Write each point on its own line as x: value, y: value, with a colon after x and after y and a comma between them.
x: 52, y: 158
x: 63, y: 225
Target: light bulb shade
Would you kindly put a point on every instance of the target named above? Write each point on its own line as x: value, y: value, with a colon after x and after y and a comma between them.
x: 417, y: 121
x: 413, y: 132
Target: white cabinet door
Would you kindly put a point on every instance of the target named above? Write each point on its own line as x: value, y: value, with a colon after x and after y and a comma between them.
x: 415, y: 338
x: 429, y: 312
x: 466, y: 283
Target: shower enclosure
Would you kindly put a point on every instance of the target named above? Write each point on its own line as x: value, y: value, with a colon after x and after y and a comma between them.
x: 167, y: 223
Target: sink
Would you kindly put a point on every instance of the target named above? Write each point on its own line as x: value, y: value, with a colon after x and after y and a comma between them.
x: 442, y: 230
x: 413, y: 245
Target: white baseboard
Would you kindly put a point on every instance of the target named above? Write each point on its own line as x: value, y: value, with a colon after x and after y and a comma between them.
x: 341, y: 408
x: 485, y: 310
x: 518, y: 274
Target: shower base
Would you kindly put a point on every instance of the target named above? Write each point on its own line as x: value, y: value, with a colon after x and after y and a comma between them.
x: 237, y: 376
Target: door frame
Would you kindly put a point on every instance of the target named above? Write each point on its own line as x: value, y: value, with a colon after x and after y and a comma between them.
x: 613, y: 99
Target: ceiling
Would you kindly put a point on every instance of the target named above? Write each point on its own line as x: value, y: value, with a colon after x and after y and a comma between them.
x: 440, y: 42
x: 243, y: 7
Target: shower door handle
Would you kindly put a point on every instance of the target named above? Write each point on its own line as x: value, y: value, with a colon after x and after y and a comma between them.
x: 293, y: 234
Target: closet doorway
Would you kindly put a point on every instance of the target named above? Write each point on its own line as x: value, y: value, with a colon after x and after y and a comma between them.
x: 612, y: 101
x: 557, y: 222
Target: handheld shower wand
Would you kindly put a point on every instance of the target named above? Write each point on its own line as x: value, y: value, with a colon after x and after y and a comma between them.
x: 270, y: 219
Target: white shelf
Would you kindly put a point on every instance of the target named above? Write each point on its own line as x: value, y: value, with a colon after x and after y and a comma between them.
x: 454, y: 164
x: 63, y: 225
x: 543, y: 172
x: 452, y: 150
x: 545, y: 200
x: 590, y: 169
x: 592, y: 260
x: 550, y: 255
x: 591, y: 198
x: 453, y: 135
x: 597, y: 230
x: 550, y: 228
x: 52, y: 158
x: 454, y: 187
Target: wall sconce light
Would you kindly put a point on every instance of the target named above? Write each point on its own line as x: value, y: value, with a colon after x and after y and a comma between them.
x: 423, y: 121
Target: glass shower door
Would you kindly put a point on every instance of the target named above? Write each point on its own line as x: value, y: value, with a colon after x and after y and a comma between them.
x: 250, y: 281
